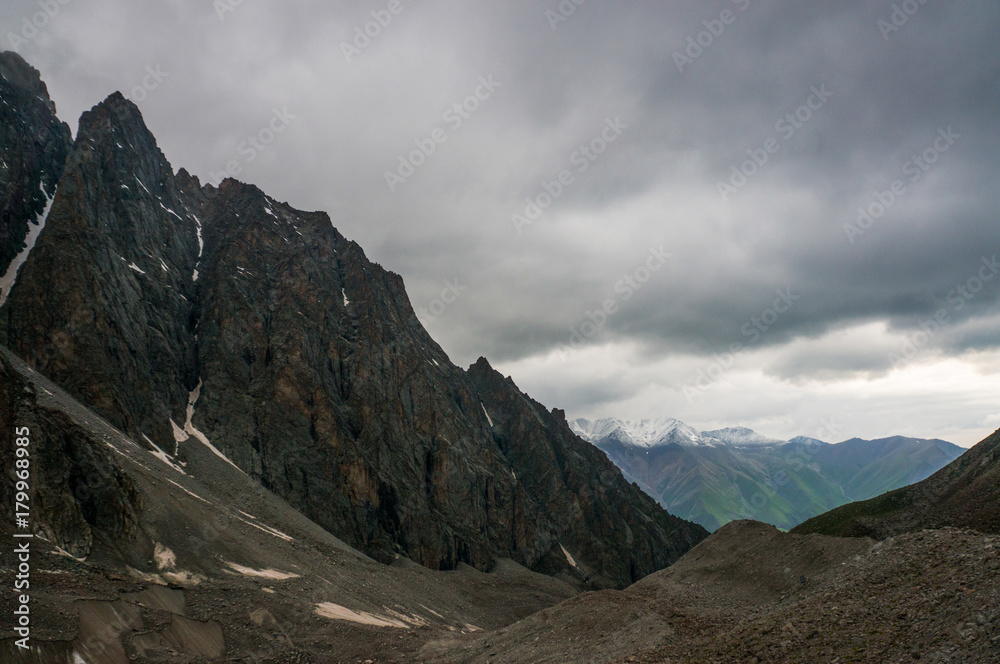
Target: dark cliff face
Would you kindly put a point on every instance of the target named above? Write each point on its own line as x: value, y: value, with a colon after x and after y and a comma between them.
x: 80, y: 494
x: 582, y: 491
x: 33, y: 147
x: 318, y: 381
x: 165, y: 305
x: 106, y: 302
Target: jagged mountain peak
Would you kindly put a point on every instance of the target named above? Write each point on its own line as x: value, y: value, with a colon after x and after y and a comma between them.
x: 120, y: 238
x: 17, y: 71
x: 114, y: 108
x: 186, y: 180
x: 116, y: 121
x: 482, y: 364
x: 647, y: 433
x: 485, y: 371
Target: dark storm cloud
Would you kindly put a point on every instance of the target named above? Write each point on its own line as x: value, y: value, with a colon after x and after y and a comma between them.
x: 878, y: 100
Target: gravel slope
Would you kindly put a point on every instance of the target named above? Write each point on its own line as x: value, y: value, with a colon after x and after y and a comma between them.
x: 251, y: 578
x: 751, y: 594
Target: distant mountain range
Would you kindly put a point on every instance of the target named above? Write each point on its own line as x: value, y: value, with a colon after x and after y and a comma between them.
x: 963, y: 494
x: 713, y: 477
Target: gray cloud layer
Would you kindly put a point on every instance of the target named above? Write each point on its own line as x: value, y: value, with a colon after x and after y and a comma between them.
x: 886, y: 96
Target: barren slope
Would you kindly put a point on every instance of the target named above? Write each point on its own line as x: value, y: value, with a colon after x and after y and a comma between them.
x: 750, y: 594
x: 137, y: 555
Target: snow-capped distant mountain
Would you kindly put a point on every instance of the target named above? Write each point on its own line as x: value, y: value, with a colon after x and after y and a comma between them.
x: 741, y: 437
x: 642, y: 433
x: 806, y: 440
x: 665, y: 431
x: 713, y: 477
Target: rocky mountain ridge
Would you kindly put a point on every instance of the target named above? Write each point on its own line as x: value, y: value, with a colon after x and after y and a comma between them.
x: 216, y: 317
x: 963, y: 494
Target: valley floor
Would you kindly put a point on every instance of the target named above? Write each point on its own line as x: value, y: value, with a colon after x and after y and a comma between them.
x: 748, y: 595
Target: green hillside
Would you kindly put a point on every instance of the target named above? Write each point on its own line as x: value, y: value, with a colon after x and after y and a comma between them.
x: 781, y: 484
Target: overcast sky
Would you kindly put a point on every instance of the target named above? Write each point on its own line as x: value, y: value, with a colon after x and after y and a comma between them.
x: 626, y: 192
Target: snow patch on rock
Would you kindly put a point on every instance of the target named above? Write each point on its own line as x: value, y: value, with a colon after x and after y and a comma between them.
x: 273, y: 574
x: 34, y: 230
x: 338, y: 612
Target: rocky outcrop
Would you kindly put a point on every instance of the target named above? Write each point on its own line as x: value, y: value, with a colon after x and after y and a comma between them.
x: 33, y: 147
x: 188, y: 314
x: 582, y: 491
x: 78, y: 491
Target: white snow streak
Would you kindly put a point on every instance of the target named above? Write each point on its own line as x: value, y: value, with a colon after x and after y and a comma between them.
x: 273, y: 574
x: 273, y: 532
x: 163, y: 456
x: 202, y: 438
x: 190, y: 493
x: 338, y: 612
x: 67, y: 554
x: 34, y: 230
x: 569, y: 558
x: 201, y: 246
x: 170, y: 211
x: 488, y: 419
x: 201, y: 242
